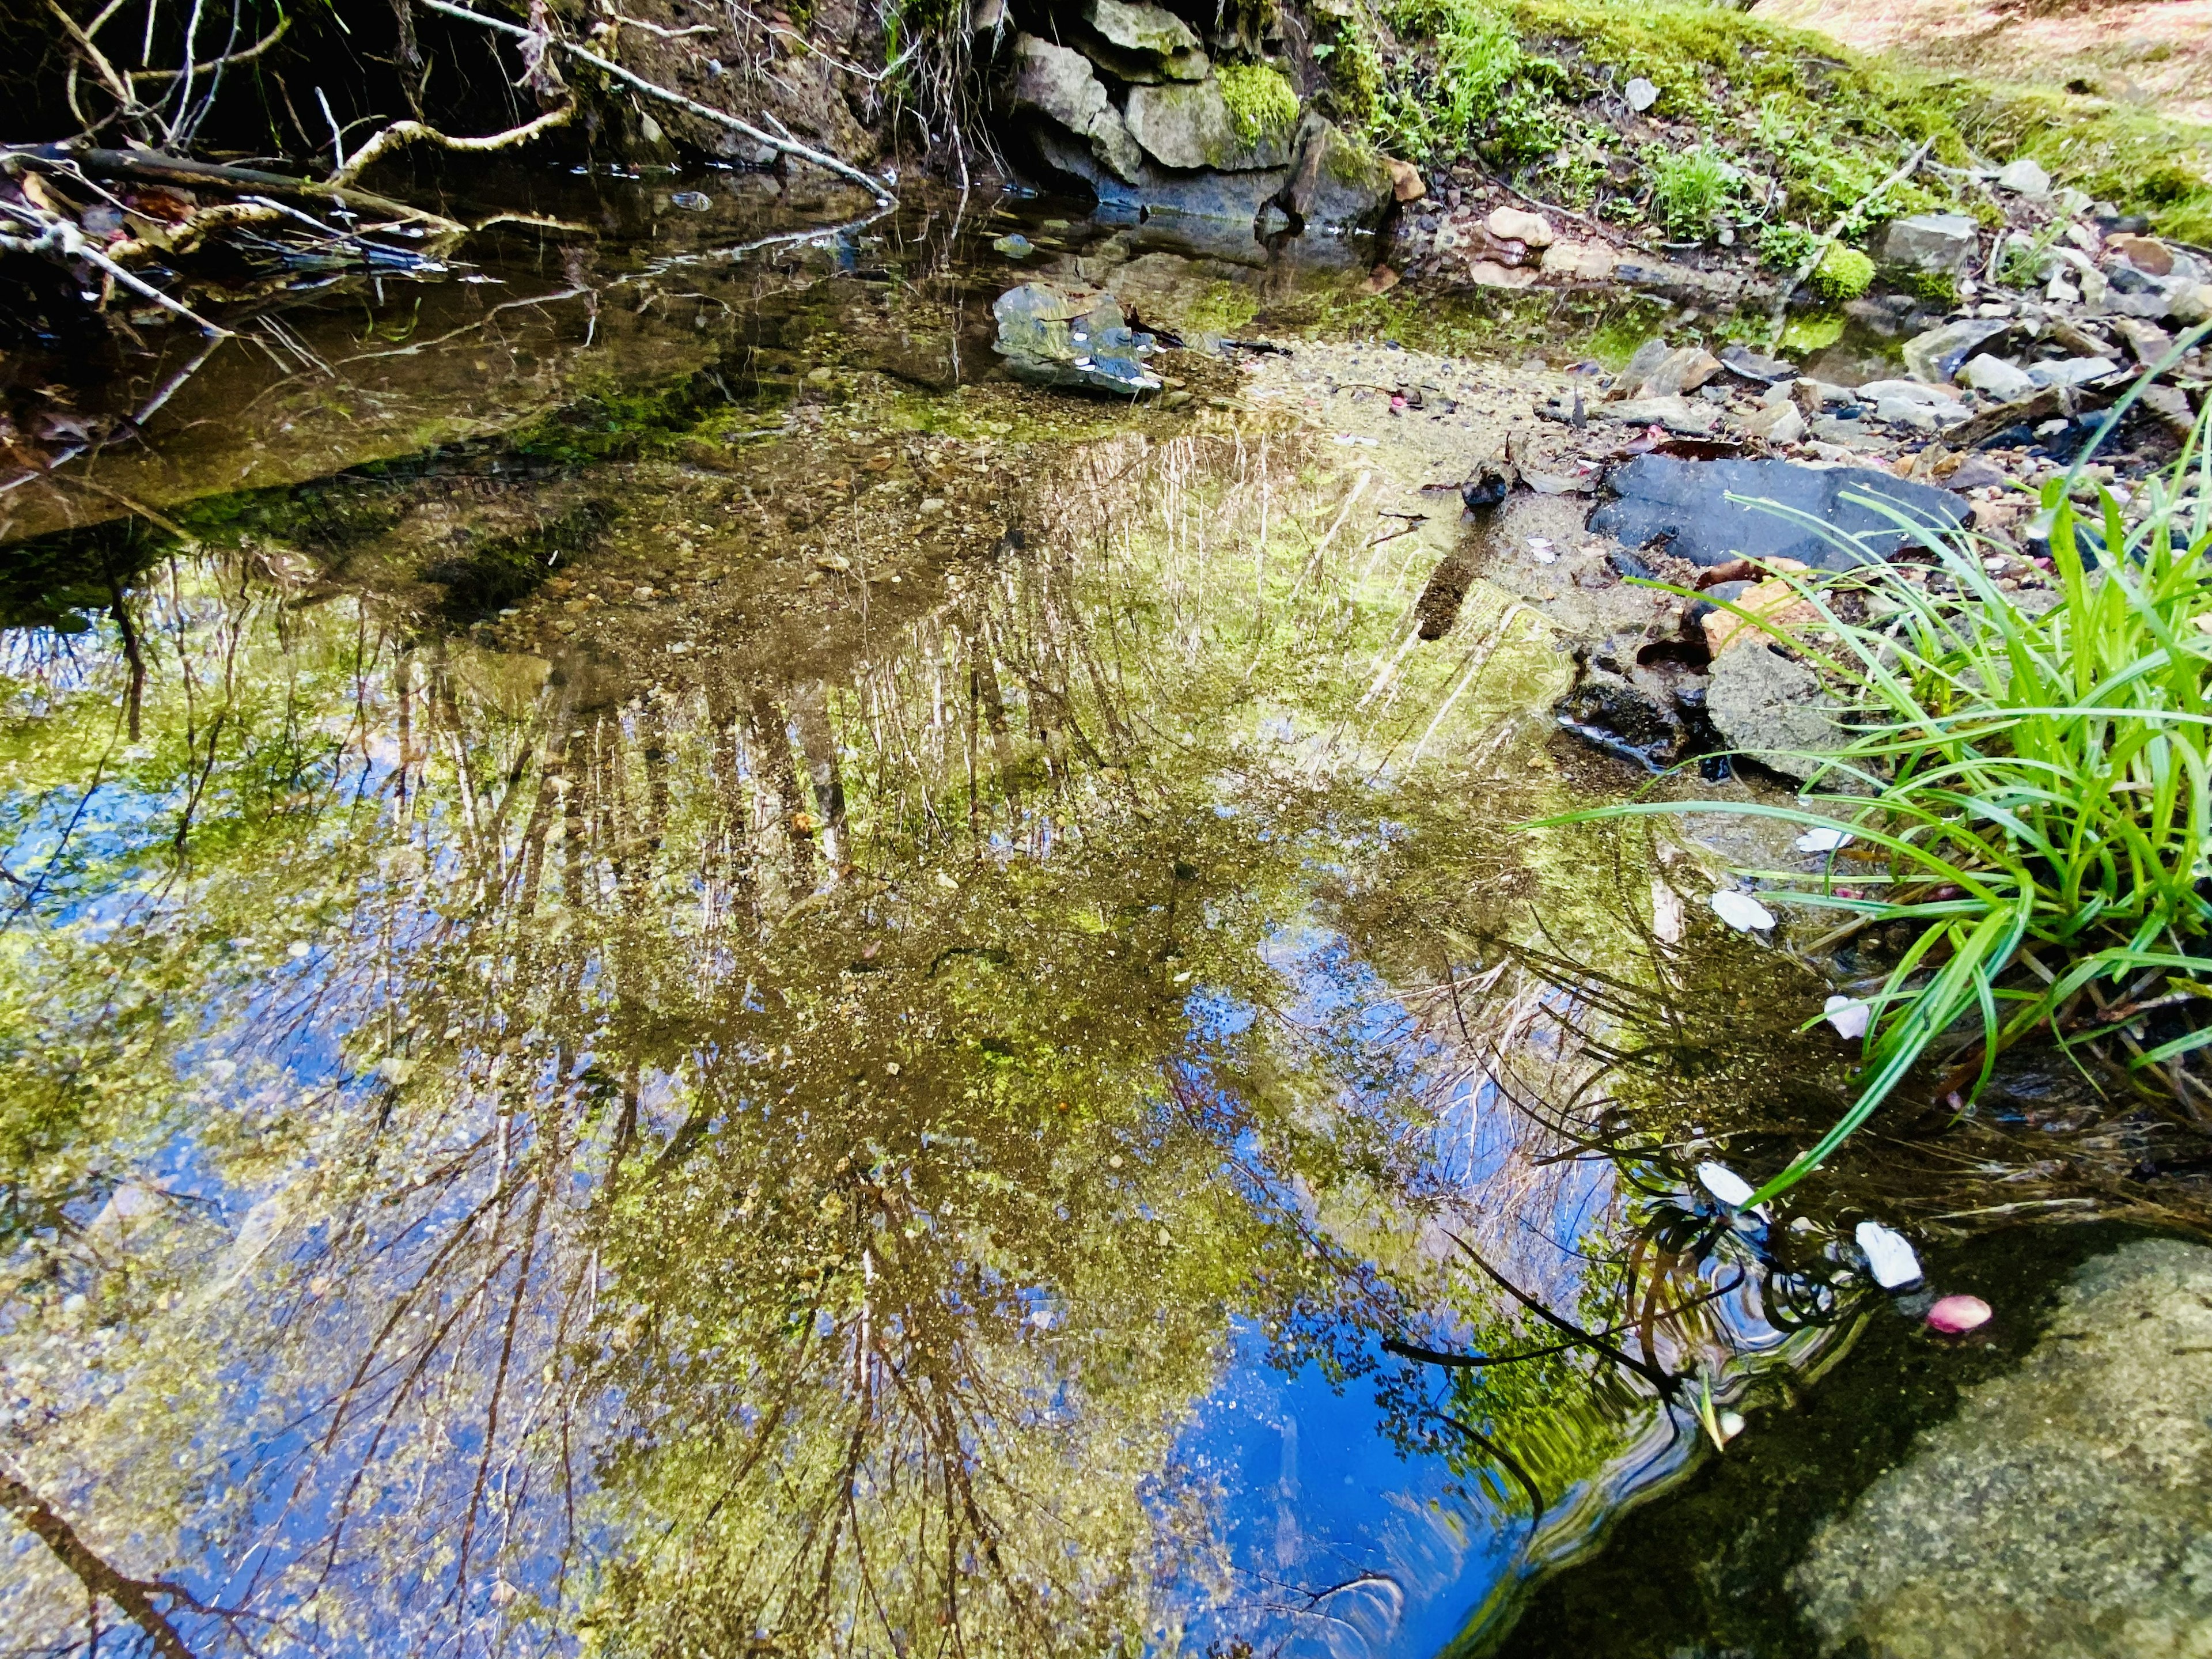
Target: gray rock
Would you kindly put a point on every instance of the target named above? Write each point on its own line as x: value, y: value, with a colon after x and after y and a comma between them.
x: 2024, y: 177
x: 1848, y: 434
x: 1675, y: 414
x: 1076, y: 338
x: 1976, y: 472
x: 1679, y: 372
x: 1144, y: 39
x: 1912, y: 392
x: 1187, y: 123
x: 2072, y: 371
x: 1936, y: 355
x: 1763, y: 371
x: 1336, y: 180
x: 1688, y: 501
x: 1995, y: 377
x: 1772, y: 708
x: 1637, y: 722
x: 2189, y: 302
x: 1225, y: 202
x: 1058, y: 85
x: 2065, y: 1509
x: 1778, y: 423
x: 1929, y: 241
x: 1906, y: 412
x: 1641, y: 94
x: 1647, y: 357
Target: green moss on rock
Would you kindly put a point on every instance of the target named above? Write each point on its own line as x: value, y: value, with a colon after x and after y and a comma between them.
x: 1844, y: 273
x: 1260, y: 101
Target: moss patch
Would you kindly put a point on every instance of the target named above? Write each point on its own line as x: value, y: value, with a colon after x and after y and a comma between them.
x: 1260, y: 101
x: 1844, y: 273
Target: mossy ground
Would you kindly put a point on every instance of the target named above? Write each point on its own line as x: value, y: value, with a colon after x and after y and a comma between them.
x: 1797, y: 129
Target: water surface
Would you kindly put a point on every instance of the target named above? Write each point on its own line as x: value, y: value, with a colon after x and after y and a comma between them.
x: 684, y: 976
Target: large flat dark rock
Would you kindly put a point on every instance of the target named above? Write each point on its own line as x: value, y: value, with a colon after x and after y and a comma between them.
x: 1688, y: 501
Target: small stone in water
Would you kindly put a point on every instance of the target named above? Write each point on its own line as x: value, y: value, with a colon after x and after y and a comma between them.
x: 1888, y: 1255
x: 1016, y: 247
x: 1741, y: 911
x: 1954, y: 1315
x: 1823, y: 840
x: 691, y: 201
x: 1724, y: 1184
x: 1848, y: 1015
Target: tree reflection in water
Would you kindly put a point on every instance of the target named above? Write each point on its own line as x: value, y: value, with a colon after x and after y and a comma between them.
x: 722, y: 1153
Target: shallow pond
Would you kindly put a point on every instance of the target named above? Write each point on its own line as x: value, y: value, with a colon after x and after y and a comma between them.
x: 685, y: 976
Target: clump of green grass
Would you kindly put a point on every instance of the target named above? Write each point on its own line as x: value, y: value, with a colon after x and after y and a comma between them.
x: 1690, y: 188
x: 2037, y: 794
x: 1474, y: 85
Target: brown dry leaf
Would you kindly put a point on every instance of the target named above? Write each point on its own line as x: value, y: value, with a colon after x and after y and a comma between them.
x: 1772, y: 598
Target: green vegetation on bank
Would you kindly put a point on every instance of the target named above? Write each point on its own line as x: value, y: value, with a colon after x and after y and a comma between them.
x: 1796, y: 129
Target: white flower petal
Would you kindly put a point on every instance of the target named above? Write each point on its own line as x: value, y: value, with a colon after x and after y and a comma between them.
x: 1823, y: 840
x: 1848, y: 1015
x: 1725, y: 1184
x: 1888, y: 1255
x: 1741, y: 911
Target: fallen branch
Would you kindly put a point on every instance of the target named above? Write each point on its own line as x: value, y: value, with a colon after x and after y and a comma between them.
x: 60, y: 238
x: 875, y: 186
x: 400, y: 133
x: 188, y: 174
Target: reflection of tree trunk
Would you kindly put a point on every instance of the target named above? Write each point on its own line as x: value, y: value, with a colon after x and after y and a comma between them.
x: 131, y: 654
x: 780, y: 867
x: 727, y: 877
x: 653, y: 735
x: 554, y: 771
x: 134, y: 1595
x: 994, y: 710
x: 810, y: 708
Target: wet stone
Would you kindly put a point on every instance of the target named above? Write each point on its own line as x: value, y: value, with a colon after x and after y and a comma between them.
x: 1771, y: 707
x: 1933, y: 242
x: 1686, y: 502
x: 1077, y: 338
x: 1936, y: 355
x: 2067, y: 1509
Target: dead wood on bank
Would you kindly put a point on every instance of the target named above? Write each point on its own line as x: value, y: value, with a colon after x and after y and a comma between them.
x: 146, y: 219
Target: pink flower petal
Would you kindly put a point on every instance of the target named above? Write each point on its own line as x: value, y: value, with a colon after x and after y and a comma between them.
x: 1954, y: 1315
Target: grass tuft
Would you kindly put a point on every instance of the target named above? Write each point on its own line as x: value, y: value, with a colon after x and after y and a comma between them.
x: 2029, y: 798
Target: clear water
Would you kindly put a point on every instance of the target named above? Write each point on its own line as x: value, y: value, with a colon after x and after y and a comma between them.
x: 700, y: 1008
